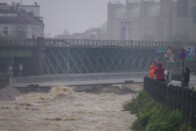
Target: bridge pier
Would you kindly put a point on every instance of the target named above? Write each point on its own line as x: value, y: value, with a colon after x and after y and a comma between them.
x: 39, y: 57
x: 5, y: 64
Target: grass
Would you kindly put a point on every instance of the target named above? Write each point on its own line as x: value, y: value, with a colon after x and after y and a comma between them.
x: 153, y: 116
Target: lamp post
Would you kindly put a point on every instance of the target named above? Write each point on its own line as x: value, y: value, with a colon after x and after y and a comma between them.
x: 68, y: 44
x: 67, y: 59
x: 182, y: 56
x: 142, y: 15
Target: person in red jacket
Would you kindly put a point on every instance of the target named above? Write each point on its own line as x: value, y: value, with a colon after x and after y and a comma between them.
x: 160, y: 72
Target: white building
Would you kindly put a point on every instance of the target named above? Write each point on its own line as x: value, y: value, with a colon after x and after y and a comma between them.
x: 31, y: 9
x: 22, y: 21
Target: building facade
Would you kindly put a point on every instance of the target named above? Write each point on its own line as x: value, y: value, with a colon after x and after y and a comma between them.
x: 90, y: 34
x: 164, y: 20
x: 20, y: 21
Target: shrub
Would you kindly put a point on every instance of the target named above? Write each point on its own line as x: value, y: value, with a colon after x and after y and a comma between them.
x: 153, y: 116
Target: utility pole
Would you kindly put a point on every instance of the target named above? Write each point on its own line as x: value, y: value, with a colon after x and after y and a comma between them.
x: 21, y: 2
x: 182, y: 56
x: 182, y: 82
x: 68, y: 59
x: 142, y: 19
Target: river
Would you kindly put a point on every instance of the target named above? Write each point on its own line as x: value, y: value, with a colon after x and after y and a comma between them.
x: 70, y: 109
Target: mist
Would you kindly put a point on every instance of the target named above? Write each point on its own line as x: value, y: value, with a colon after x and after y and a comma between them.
x: 75, y: 16
x: 148, y: 21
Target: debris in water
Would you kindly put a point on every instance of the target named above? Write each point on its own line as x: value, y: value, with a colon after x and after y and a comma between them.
x: 55, y: 93
x: 5, y: 107
x: 63, y: 118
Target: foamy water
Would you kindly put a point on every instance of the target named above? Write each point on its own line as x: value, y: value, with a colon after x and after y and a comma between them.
x: 62, y: 109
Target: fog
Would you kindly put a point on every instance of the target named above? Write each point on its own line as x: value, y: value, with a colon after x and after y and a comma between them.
x: 74, y: 15
x: 151, y: 20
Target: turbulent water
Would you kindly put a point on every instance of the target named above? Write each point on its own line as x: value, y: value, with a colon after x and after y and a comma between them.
x: 62, y: 109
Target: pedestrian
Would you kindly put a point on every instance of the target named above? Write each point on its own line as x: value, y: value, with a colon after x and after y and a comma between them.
x: 187, y: 77
x: 151, y: 75
x: 160, y: 72
x: 15, y: 70
x: 166, y: 75
x: 10, y: 71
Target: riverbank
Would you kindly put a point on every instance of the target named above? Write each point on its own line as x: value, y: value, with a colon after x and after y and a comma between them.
x: 153, y: 116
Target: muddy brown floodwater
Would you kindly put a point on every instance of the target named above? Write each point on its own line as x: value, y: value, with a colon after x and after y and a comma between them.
x: 70, y: 109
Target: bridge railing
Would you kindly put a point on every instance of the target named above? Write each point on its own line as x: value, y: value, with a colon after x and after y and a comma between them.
x: 78, y: 77
x: 91, y: 43
x: 17, y: 42
x: 119, y: 43
x: 174, y: 97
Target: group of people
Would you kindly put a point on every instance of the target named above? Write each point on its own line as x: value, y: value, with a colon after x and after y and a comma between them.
x: 157, y: 72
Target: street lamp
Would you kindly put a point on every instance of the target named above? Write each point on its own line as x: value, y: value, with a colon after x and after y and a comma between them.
x: 68, y: 59
x: 68, y: 44
x: 142, y: 17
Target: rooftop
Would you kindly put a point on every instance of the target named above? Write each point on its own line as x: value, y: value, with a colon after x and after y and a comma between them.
x: 134, y: 1
x: 115, y: 2
x: 3, y: 4
x: 12, y: 15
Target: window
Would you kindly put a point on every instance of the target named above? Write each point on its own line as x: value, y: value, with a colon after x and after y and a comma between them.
x: 123, y: 33
x: 135, y: 12
x: 182, y: 8
x: 20, y: 32
x: 119, y: 13
x: 194, y: 14
x: 152, y: 10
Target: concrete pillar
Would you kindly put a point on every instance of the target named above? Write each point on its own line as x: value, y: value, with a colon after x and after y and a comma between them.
x: 39, y: 57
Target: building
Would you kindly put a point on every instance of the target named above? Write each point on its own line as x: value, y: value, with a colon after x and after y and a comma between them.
x: 90, y: 34
x: 21, y: 21
x: 163, y: 20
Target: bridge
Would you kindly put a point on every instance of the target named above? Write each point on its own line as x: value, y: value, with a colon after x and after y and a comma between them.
x: 85, y: 62
x: 71, y: 59
x: 53, y: 56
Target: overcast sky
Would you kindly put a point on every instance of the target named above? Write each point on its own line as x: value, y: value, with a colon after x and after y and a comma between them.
x: 74, y: 15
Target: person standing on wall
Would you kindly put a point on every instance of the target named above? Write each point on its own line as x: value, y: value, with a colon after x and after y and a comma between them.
x: 166, y: 75
x: 151, y: 75
x: 160, y: 72
x: 20, y: 69
x: 187, y: 77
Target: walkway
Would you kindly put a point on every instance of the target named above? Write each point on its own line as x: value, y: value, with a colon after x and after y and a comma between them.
x: 78, y: 79
x: 191, y: 84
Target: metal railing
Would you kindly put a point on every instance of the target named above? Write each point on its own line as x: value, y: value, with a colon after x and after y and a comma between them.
x: 91, y: 43
x: 119, y: 43
x: 88, y: 78
x: 175, y: 97
x: 17, y: 42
